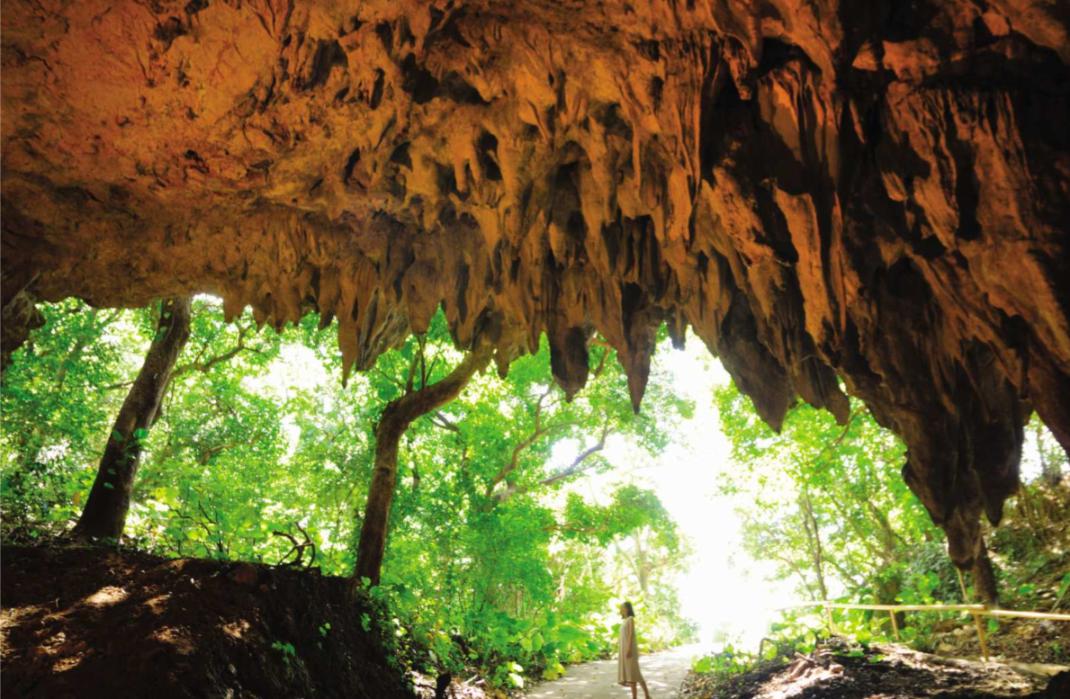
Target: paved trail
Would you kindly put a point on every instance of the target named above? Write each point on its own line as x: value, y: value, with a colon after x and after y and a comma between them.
x: 598, y: 680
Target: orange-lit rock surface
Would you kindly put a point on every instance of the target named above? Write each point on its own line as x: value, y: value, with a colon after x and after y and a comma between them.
x: 871, y: 190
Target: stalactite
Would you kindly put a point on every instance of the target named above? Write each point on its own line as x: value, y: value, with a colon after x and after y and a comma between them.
x: 867, y: 192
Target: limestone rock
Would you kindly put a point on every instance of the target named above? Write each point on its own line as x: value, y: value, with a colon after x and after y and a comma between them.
x: 873, y: 192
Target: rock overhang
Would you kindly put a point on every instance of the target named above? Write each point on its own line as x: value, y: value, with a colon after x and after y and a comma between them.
x: 867, y: 192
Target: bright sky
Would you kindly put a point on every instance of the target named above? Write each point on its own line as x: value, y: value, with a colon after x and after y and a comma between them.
x: 724, y: 590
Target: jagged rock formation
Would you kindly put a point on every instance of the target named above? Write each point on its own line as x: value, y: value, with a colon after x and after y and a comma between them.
x: 20, y: 317
x: 870, y: 190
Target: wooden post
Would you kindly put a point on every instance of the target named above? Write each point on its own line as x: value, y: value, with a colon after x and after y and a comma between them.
x: 981, y: 636
x: 981, y: 639
x: 975, y: 610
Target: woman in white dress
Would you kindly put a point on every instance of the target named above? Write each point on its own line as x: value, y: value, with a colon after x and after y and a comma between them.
x: 628, y: 665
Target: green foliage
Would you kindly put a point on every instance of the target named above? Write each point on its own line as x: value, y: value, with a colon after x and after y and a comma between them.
x: 260, y: 453
x: 828, y: 504
x: 50, y: 438
x: 495, y: 561
x: 1064, y: 587
x: 730, y: 661
x: 795, y: 632
x: 1032, y: 546
x: 492, y: 561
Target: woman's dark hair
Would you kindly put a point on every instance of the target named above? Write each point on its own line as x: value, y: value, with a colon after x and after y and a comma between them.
x: 628, y: 609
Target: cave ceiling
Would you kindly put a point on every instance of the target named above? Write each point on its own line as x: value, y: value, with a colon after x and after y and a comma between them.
x: 872, y: 193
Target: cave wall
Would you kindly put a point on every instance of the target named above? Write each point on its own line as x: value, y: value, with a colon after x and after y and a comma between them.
x: 875, y: 191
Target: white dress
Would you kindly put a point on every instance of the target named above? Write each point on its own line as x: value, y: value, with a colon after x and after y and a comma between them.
x: 628, y: 668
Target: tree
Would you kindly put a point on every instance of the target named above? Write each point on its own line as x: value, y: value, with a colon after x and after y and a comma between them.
x: 396, y: 418
x: 57, y: 403
x: 109, y: 499
x: 480, y: 545
x: 825, y: 501
x: 1051, y: 455
x: 213, y: 465
x: 256, y: 439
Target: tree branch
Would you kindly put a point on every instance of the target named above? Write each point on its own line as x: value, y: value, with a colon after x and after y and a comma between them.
x: 401, y: 411
x: 114, y: 386
x: 578, y: 466
x: 204, y: 366
x: 417, y: 361
x: 440, y: 420
x: 514, y: 460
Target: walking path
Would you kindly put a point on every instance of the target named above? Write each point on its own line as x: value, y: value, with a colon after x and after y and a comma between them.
x: 598, y: 680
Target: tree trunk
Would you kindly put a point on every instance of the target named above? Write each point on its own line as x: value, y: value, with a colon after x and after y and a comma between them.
x: 642, y: 565
x: 396, y: 418
x: 105, y: 511
x: 813, y: 536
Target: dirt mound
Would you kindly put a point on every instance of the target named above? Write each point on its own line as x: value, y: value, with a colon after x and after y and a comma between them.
x: 839, y: 670
x: 89, y: 622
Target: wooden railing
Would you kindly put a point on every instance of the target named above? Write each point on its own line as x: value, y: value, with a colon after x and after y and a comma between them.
x: 975, y: 610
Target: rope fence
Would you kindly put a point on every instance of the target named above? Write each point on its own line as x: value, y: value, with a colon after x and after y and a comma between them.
x: 975, y: 610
